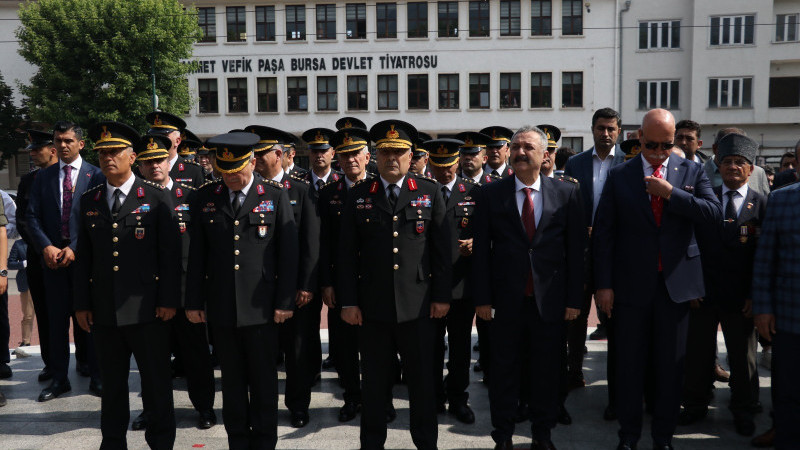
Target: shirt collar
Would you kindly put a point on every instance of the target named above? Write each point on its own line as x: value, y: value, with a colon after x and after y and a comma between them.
x: 499, y: 170
x: 399, y: 184
x: 172, y: 161
x: 349, y: 183
x: 610, y: 153
x: 536, y: 186
x: 246, y: 189
x: 324, y: 178
x: 742, y: 190
x: 76, y: 164
x: 649, y: 167
x: 125, y: 188
x: 170, y: 183
x: 451, y: 184
x: 278, y: 177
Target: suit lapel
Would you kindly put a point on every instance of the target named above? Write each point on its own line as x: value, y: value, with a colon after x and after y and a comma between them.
x: 548, y: 199
x: 102, y: 202
x: 676, y: 171
x: 637, y: 187
x: 132, y: 200
x: 55, y: 183
x: 82, y: 180
x: 588, y: 172
x: 511, y: 206
x: 251, y: 200
x: 406, y: 194
x: 379, y: 196
x: 224, y: 201
x: 747, y: 212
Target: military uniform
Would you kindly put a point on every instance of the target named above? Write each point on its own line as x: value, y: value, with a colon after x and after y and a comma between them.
x: 183, y: 170
x: 500, y: 136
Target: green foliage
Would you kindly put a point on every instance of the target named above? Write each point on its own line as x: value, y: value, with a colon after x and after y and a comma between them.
x: 11, y: 121
x: 94, y: 58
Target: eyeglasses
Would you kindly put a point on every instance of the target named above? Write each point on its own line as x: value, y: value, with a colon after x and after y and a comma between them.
x: 734, y: 162
x: 655, y: 145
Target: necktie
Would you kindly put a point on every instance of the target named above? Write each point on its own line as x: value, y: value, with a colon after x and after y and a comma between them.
x: 237, y: 205
x: 392, y: 195
x: 320, y: 183
x: 66, y: 201
x: 730, y: 208
x: 656, y: 202
x: 529, y: 220
x: 445, y: 193
x: 117, y: 203
x: 495, y: 173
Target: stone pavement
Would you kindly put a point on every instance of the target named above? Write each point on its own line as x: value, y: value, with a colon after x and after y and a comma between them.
x: 72, y: 421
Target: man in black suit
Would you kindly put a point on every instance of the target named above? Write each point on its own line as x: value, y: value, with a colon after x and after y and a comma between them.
x: 497, y: 151
x: 395, y: 244
x: 299, y: 337
x: 242, y: 277
x: 527, y: 271
x: 181, y: 169
x: 352, y: 150
x: 728, y: 248
x: 459, y: 197
x: 127, y: 285
x: 52, y: 217
x: 43, y: 155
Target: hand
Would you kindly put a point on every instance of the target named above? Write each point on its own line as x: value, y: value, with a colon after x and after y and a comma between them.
x: 484, y: 312
x: 439, y: 310
x: 50, y: 255
x: 695, y: 304
x: 3, y: 285
x: 589, y: 231
x: 85, y: 320
x: 604, y: 300
x: 302, y: 298
x: 572, y: 313
x: 282, y: 315
x: 765, y: 324
x: 658, y: 187
x: 352, y: 315
x: 66, y: 256
x: 165, y: 313
x: 465, y: 247
x: 329, y: 297
x: 748, y: 308
x: 196, y: 315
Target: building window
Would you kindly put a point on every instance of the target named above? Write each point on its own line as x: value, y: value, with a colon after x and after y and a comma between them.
x: 386, y: 14
x: 237, y: 95
x: 418, y: 92
x: 786, y: 28
x: 387, y: 92
x: 237, y: 24
x: 479, y: 18
x: 267, y: 94
x: 417, y: 19
x: 654, y: 35
x: 571, y: 18
x: 356, y: 20
x: 207, y: 19
x: 575, y: 143
x: 326, y: 94
x: 209, y: 95
x: 509, y: 90
x: 572, y: 89
x: 541, y: 18
x: 326, y: 22
x: 357, y: 93
x: 265, y: 23
x: 509, y: 18
x: 296, y: 94
x: 658, y: 94
x: 732, y: 30
x: 448, y: 19
x: 730, y: 92
x: 448, y: 91
x: 541, y: 90
x: 784, y: 92
x: 479, y: 91
x: 295, y: 22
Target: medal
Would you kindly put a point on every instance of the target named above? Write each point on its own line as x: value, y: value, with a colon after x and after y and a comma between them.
x: 139, y: 233
x: 262, y: 231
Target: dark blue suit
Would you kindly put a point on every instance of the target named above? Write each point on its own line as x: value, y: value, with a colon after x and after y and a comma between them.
x: 44, y: 223
x: 503, y: 257
x: 581, y: 168
x: 651, y: 305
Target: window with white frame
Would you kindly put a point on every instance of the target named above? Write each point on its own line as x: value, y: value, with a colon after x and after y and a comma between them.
x: 659, y: 34
x: 786, y: 28
x: 659, y: 94
x: 730, y: 92
x: 732, y: 30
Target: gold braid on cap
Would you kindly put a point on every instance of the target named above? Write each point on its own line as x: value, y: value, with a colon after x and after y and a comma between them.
x: 433, y: 162
x: 227, y: 156
x: 221, y: 170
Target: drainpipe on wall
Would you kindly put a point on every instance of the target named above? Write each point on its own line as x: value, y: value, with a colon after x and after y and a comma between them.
x: 627, y: 7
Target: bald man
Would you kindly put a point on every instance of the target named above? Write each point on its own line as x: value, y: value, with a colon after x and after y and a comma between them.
x: 645, y: 224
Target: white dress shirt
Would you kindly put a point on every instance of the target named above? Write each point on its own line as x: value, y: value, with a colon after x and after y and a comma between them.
x: 536, y: 194
x: 600, y: 168
x: 76, y: 167
x: 348, y: 184
x: 386, y: 184
x: 738, y: 198
x: 125, y: 189
x: 289, y: 169
x: 173, y: 161
x: 648, y: 168
x: 243, y: 194
x: 278, y: 178
x: 324, y: 178
x: 169, y: 184
x: 500, y: 170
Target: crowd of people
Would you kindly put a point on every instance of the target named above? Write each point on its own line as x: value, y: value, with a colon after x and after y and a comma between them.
x: 186, y: 254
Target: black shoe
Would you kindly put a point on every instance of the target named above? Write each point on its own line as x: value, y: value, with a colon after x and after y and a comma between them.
x: 624, y: 446
x: 96, y: 387
x: 207, y: 419
x: 505, y: 445
x: 522, y: 413
x: 599, y: 334
x: 755, y: 408
x: 349, y: 411
x: 328, y: 363
x: 542, y: 445
x: 5, y: 371
x: 441, y: 408
x: 55, y: 389
x: 744, y: 425
x: 83, y: 369
x: 610, y: 413
x: 662, y: 446
x: 177, y: 369
x: 317, y: 379
x: 477, y: 367
x: 45, y: 374
x: 690, y: 416
x: 391, y: 414
x: 299, y: 419
x: 585, y: 350
x: 139, y: 423
x: 463, y: 412
x: 563, y: 416
x: 2, y: 400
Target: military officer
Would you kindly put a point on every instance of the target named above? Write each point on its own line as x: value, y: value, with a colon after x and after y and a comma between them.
x: 189, y: 145
x: 181, y: 169
x: 299, y: 337
x: 127, y: 286
x: 419, y: 160
x: 472, y: 159
x: 352, y: 122
x: 460, y: 205
x: 553, y: 135
x: 189, y: 341
x: 205, y: 158
x: 288, y: 158
x: 498, y: 151
x: 395, y: 242
x: 321, y: 157
x: 242, y: 278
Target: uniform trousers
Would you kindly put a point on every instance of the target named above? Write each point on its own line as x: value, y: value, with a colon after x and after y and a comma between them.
x: 190, y: 346
x: 35, y: 275
x: 458, y: 325
x: 785, y: 390
x: 300, y: 341
x: 346, y: 354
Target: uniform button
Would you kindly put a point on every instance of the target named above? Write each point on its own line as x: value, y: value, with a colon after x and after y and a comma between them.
x: 394, y: 234
x: 114, y: 225
x: 236, y: 267
x: 236, y: 237
x: 530, y: 251
x: 420, y: 217
x: 395, y: 250
x: 114, y: 239
x: 367, y: 220
x: 419, y: 211
x: 236, y: 252
x: 394, y: 218
x: 236, y: 222
x: 465, y: 209
x: 138, y: 217
x: 396, y: 266
x: 116, y: 253
x: 116, y: 268
x: 338, y: 213
x: 156, y: 278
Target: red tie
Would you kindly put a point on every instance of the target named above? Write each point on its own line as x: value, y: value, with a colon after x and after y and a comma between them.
x: 657, y: 204
x: 529, y: 220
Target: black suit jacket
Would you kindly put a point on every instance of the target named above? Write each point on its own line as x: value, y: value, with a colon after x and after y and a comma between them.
x: 187, y: 171
x: 308, y: 224
x: 330, y: 206
x: 128, y: 266
x: 23, y: 197
x: 395, y: 261
x: 242, y: 267
x: 503, y: 254
x: 180, y: 196
x: 460, y: 211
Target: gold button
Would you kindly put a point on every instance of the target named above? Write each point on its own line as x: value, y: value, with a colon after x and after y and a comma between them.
x: 236, y: 252
x: 116, y: 268
x: 92, y: 225
x: 114, y: 225
x: 138, y: 217
x: 260, y: 215
x: 90, y: 280
x: 394, y: 218
x: 396, y: 267
x: 419, y: 211
x: 156, y: 278
x: 394, y: 234
x: 236, y: 222
x: 367, y: 220
x: 114, y: 239
x: 236, y: 267
x: 465, y: 209
x: 236, y: 237
x: 138, y: 223
x: 395, y: 250
x: 116, y: 253
x: 338, y: 213
x: 420, y: 217
x: 211, y: 221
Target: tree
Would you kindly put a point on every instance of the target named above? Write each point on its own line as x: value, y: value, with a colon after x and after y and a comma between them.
x: 94, y: 58
x: 11, y: 121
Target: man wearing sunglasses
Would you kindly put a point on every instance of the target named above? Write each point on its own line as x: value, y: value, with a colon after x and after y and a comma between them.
x: 645, y: 223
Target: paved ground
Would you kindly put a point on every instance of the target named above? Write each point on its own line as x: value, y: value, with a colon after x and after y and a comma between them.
x: 72, y: 421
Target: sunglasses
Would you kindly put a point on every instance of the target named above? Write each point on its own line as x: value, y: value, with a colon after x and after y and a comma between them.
x: 655, y: 145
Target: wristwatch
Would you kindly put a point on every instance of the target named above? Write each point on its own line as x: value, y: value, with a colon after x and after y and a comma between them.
x: 3, y: 273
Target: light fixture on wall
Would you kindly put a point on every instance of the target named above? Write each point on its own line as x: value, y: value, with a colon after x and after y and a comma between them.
x: 588, y: 6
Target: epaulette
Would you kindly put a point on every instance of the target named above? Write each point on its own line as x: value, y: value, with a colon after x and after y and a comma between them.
x: 296, y: 178
x: 329, y: 183
x: 272, y: 183
x: 186, y: 186
x: 495, y: 176
x: 191, y: 161
x: 93, y: 188
x: 363, y: 180
x: 423, y: 177
x: 567, y: 178
x: 470, y: 181
x: 153, y: 184
x: 370, y: 174
x: 209, y: 183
